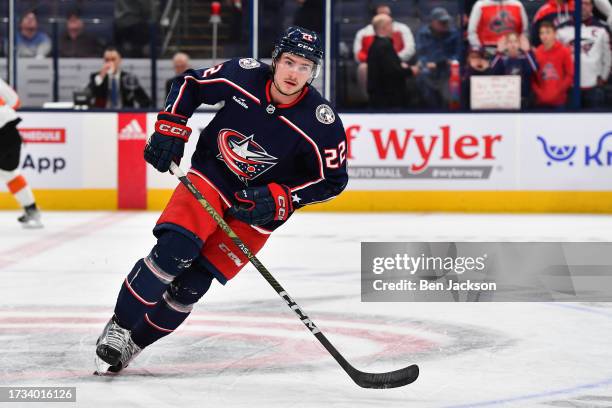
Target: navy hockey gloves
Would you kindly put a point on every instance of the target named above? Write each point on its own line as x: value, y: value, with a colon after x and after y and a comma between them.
x: 167, y: 143
x: 261, y: 205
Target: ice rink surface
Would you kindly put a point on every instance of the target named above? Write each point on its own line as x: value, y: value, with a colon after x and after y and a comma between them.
x: 242, y: 346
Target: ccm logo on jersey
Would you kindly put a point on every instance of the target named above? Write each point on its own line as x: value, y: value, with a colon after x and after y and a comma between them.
x: 172, y: 129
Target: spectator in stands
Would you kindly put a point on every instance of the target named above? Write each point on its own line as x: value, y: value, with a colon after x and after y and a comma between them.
x: 558, y: 12
x: 132, y: 26
x: 437, y: 46
x: 180, y: 63
x: 515, y: 57
x: 403, y: 43
x: 386, y: 72
x: 75, y: 42
x: 595, y: 55
x: 477, y: 64
x: 271, y: 27
x: 555, y: 75
x: 113, y: 88
x: 605, y: 8
x: 492, y: 19
x: 561, y: 12
x: 30, y: 41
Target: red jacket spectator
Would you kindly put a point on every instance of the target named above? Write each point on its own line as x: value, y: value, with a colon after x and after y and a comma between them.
x: 558, y: 12
x: 492, y: 19
x: 555, y: 75
x: 403, y: 42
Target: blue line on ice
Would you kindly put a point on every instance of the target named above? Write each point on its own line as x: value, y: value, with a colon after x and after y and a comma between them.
x: 571, y: 390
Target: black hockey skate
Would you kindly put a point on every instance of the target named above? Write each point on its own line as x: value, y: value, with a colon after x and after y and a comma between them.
x: 30, y: 218
x: 115, y: 349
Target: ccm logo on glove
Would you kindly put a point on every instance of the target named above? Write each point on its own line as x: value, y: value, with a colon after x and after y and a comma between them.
x: 172, y: 129
x: 167, y: 143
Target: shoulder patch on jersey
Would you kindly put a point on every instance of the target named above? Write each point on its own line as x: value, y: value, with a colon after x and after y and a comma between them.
x: 249, y: 63
x: 325, y: 114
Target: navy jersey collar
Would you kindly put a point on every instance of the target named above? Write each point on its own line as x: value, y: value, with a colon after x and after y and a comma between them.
x: 284, y: 105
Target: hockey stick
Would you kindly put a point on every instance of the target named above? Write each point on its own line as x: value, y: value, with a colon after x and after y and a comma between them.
x: 390, y: 379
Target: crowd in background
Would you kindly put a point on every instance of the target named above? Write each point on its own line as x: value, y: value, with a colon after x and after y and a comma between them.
x: 493, y: 37
x: 426, y: 64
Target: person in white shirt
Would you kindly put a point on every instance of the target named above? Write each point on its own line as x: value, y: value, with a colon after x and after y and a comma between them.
x: 604, y: 8
x: 402, y: 38
x: 595, y: 55
x: 10, y: 150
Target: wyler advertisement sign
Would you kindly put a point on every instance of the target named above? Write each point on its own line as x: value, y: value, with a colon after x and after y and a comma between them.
x: 51, y: 154
x: 430, y: 152
x: 556, y: 157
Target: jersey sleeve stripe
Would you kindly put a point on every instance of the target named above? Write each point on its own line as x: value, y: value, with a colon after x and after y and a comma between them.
x: 261, y: 230
x: 208, y: 82
x: 322, y: 201
x: 316, y: 149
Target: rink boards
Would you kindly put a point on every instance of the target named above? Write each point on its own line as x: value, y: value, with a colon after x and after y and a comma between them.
x: 397, y: 162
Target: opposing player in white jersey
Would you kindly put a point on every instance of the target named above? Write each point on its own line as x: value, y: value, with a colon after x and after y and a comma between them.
x: 10, y: 149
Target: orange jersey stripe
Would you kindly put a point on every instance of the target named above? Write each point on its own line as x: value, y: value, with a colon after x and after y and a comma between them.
x: 17, y: 184
x: 17, y: 104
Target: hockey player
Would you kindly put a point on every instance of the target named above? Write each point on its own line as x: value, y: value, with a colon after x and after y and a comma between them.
x: 10, y: 149
x: 275, y: 146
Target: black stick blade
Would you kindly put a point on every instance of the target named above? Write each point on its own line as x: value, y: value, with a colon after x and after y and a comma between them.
x: 392, y: 379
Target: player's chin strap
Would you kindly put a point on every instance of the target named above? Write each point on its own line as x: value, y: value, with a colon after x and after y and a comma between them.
x: 390, y: 379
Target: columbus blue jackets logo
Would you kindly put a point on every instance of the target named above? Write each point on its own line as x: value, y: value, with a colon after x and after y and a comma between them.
x: 586, y: 45
x: 549, y: 72
x: 503, y: 22
x: 243, y: 156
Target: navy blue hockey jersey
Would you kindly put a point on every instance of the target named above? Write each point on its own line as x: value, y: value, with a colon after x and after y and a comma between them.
x: 252, y: 142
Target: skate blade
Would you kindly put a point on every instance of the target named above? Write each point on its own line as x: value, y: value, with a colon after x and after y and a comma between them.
x: 102, y: 367
x: 32, y: 225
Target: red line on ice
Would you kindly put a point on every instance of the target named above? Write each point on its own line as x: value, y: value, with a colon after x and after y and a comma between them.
x: 31, y: 249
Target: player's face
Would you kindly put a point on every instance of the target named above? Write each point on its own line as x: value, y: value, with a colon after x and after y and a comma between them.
x: 292, y: 73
